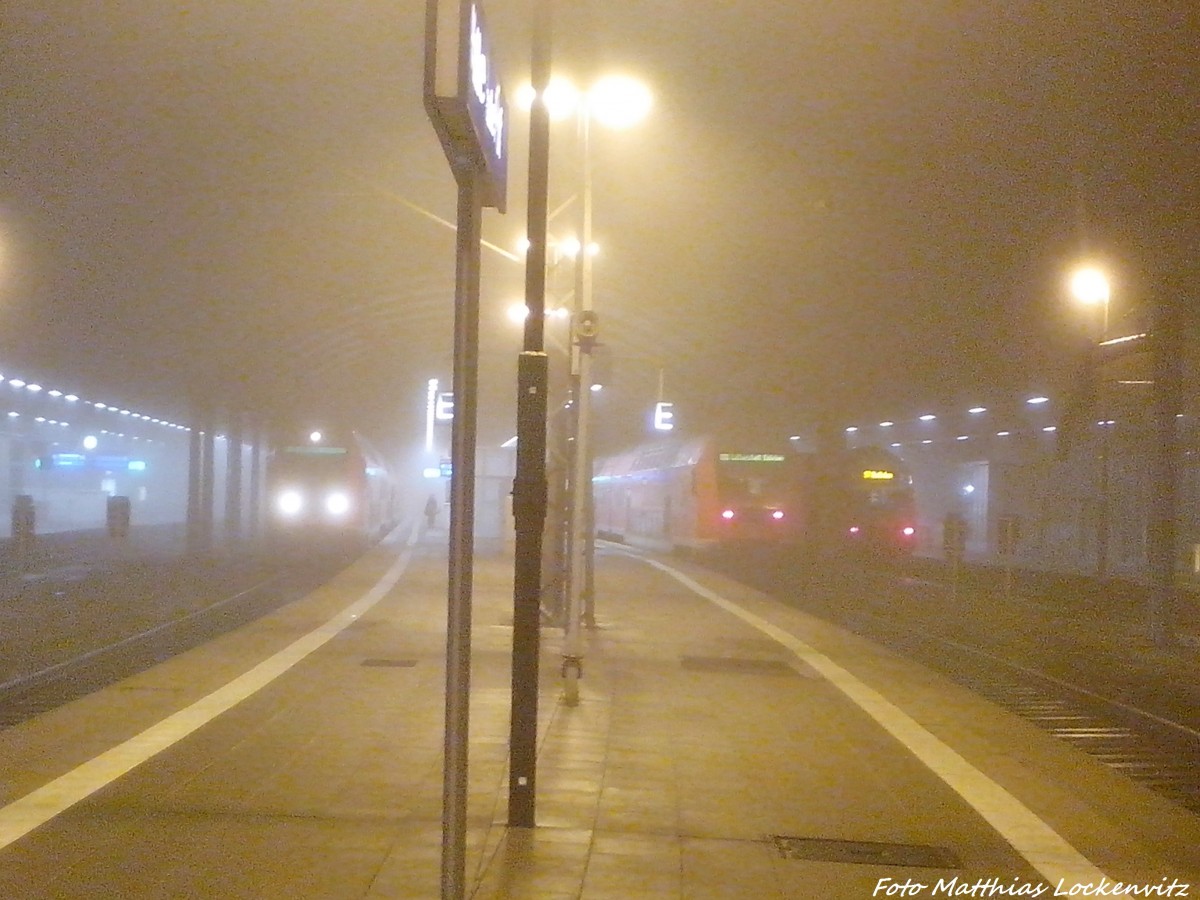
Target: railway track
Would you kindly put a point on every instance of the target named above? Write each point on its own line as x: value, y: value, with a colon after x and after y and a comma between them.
x: 85, y: 625
x: 1131, y: 718
x: 1153, y: 750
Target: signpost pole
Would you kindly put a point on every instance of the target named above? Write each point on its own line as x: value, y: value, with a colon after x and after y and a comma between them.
x: 465, y: 105
x: 462, y: 539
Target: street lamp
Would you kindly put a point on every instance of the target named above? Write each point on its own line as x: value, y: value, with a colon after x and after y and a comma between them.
x: 619, y: 102
x: 1090, y: 286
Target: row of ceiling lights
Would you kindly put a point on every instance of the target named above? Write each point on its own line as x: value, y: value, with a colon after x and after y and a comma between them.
x: 930, y: 417
x: 34, y: 388
x: 974, y: 411
x: 1036, y: 401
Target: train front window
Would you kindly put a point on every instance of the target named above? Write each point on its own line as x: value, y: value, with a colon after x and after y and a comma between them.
x: 762, y: 479
x: 310, y: 461
x: 885, y: 498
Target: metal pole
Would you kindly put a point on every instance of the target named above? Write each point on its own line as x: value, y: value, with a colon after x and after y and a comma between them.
x: 529, y: 486
x: 1166, y: 340
x: 581, y: 476
x: 462, y: 536
x: 1103, y: 526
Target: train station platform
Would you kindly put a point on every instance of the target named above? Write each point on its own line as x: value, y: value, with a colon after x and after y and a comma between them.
x: 724, y: 746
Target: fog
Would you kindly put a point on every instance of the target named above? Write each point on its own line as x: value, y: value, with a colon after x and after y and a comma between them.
x: 833, y: 210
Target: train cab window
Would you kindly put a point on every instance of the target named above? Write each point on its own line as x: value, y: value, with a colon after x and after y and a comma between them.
x: 752, y: 480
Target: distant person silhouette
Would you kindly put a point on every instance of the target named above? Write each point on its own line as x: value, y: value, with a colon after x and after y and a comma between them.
x: 431, y: 511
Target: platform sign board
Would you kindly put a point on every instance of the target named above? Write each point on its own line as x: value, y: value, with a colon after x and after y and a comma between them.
x: 664, y: 416
x: 463, y: 96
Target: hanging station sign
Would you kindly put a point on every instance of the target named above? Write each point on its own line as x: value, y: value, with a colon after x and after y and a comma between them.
x: 463, y: 96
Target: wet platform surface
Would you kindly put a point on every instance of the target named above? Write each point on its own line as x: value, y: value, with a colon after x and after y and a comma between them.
x: 724, y: 746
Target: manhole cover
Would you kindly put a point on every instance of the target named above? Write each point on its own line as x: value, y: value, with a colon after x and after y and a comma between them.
x: 389, y: 663
x: 736, y: 664
x: 866, y: 853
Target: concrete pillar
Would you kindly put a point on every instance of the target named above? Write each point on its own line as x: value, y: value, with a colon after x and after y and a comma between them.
x: 195, y: 477
x: 207, y: 483
x: 233, y: 480
x: 254, y: 501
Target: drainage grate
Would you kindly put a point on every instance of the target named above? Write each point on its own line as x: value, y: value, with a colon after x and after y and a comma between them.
x: 736, y: 664
x: 390, y: 663
x: 866, y: 853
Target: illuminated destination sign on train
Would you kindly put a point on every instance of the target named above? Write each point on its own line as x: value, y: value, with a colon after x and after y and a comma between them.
x: 878, y: 475
x: 751, y: 457
x: 316, y: 451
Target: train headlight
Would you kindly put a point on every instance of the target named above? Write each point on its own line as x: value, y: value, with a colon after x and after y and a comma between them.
x: 289, y: 503
x: 908, y: 531
x: 727, y: 515
x: 777, y: 514
x: 337, y: 503
x: 854, y: 529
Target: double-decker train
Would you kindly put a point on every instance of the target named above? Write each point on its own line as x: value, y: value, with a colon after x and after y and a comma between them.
x: 691, y: 495
x: 330, y: 489
x: 694, y: 495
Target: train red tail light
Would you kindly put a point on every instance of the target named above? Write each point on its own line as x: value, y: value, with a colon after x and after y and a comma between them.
x: 854, y: 529
x: 777, y: 514
x: 908, y: 531
x: 727, y: 515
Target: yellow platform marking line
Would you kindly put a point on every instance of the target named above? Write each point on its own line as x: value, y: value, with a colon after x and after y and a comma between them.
x: 22, y: 816
x: 1044, y: 848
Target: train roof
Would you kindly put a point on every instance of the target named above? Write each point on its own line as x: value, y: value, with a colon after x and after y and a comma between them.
x: 664, y: 454
x: 347, y: 443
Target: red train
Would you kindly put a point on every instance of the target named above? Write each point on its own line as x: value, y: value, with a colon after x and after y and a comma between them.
x: 873, y: 508
x: 328, y: 488
x: 692, y: 495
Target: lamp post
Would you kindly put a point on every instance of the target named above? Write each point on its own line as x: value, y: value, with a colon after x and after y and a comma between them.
x: 617, y: 102
x: 1167, y: 349
x: 1090, y: 287
x: 529, y: 484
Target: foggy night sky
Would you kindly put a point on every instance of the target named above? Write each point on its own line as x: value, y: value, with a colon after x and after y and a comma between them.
x: 841, y: 209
